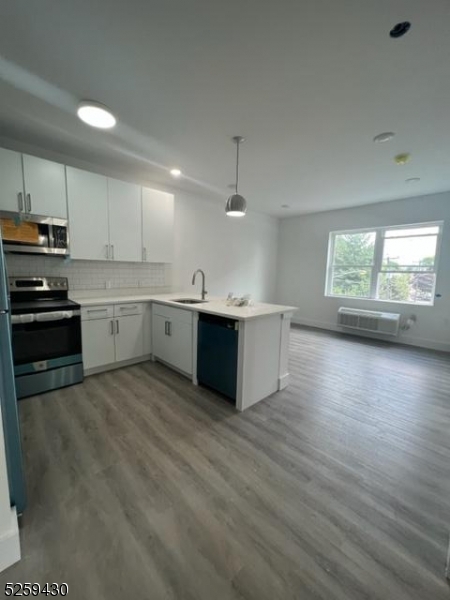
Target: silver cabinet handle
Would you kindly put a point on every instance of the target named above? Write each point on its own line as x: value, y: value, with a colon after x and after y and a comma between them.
x: 20, y: 201
x: 169, y: 327
x: 112, y: 251
x: 117, y: 325
x: 28, y: 203
x: 165, y: 327
x: 89, y: 310
x: 111, y: 327
x: 107, y: 250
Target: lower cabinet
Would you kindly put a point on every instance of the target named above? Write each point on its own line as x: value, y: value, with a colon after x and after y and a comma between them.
x: 98, y: 343
x: 124, y: 332
x: 112, y: 334
x: 172, y: 336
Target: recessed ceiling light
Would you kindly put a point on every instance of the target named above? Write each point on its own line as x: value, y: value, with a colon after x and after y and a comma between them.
x: 413, y: 180
x: 175, y: 172
x: 383, y: 137
x: 402, y: 159
x: 285, y: 206
x: 96, y: 114
x: 400, y: 29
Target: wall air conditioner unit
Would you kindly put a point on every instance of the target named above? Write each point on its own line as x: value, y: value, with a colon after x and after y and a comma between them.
x: 369, y: 320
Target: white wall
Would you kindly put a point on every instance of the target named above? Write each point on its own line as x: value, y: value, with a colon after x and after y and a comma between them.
x: 302, y: 260
x: 238, y: 255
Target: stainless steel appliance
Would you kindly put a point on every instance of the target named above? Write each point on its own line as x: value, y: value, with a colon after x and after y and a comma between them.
x: 8, y: 401
x: 32, y: 234
x: 46, y: 335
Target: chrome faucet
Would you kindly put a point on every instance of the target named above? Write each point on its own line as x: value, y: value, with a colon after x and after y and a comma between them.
x: 204, y: 292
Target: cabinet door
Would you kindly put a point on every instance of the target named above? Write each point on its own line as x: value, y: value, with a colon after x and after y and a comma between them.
x: 98, y: 343
x: 129, y: 337
x: 160, y: 339
x: 125, y: 229
x: 157, y: 226
x: 87, y: 195
x: 172, y: 342
x: 148, y: 329
x: 11, y: 179
x: 180, y: 335
x: 45, y: 187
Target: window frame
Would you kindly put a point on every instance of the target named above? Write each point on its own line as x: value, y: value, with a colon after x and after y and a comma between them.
x: 376, y: 268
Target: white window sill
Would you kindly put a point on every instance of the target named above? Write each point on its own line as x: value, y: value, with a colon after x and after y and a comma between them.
x: 427, y: 304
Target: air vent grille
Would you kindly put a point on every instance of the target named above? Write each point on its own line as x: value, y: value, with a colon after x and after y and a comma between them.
x: 366, y: 320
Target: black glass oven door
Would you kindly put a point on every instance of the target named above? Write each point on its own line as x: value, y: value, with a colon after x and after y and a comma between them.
x: 41, y: 341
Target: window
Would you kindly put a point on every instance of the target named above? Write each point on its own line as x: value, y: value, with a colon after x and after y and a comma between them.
x: 395, y: 264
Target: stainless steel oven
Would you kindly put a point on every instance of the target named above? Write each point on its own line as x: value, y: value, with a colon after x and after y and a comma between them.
x: 46, y: 335
x: 32, y: 234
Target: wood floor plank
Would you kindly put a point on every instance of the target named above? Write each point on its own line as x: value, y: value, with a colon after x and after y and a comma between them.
x: 338, y: 488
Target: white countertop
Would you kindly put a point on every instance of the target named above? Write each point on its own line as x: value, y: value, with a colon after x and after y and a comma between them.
x: 215, y: 306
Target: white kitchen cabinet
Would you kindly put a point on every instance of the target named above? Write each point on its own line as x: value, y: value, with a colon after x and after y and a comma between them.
x: 125, y: 229
x: 147, y: 328
x: 172, y: 337
x: 45, y: 187
x: 129, y: 337
x: 98, y: 342
x: 160, y: 340
x: 112, y: 334
x: 11, y: 178
x: 87, y: 195
x: 157, y: 226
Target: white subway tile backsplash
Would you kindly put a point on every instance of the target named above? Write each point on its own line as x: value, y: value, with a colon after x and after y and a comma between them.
x: 92, y: 275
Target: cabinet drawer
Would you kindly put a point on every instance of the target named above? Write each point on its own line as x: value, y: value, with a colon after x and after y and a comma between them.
x: 90, y: 313
x: 125, y: 310
x: 169, y: 312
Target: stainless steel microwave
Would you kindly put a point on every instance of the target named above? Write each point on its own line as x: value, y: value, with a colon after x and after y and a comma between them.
x: 32, y: 234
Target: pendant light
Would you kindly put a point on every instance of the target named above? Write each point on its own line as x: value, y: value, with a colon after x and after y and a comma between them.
x: 236, y: 204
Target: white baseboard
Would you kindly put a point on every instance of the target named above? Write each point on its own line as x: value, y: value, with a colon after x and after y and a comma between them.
x: 10, y: 544
x: 117, y: 365
x: 408, y: 340
x: 283, y: 381
x: 166, y: 364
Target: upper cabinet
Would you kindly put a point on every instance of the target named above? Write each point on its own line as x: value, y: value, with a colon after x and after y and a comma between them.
x: 11, y: 178
x: 87, y: 195
x: 157, y: 226
x: 125, y: 235
x: 108, y: 219
x: 45, y: 187
x: 32, y: 185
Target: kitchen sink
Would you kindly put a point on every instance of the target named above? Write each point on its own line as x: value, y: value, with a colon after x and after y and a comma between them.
x: 190, y: 301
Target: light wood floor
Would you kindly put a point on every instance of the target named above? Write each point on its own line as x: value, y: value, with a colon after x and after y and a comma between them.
x: 142, y: 486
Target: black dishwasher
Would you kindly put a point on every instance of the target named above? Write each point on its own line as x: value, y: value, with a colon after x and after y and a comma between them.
x: 217, y: 356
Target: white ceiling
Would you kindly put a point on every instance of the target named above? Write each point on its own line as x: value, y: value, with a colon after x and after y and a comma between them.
x: 309, y: 83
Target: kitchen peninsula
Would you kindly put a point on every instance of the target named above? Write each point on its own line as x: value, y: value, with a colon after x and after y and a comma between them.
x: 249, y: 343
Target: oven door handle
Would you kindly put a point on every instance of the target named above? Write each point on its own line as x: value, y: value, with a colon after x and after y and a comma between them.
x: 22, y: 319
x: 56, y: 316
